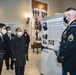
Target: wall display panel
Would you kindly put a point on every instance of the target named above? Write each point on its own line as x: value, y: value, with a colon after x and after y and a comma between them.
x: 52, y: 28
x: 14, y: 26
x: 37, y: 23
x: 38, y: 15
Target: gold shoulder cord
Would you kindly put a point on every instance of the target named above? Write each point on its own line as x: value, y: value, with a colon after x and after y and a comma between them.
x: 68, y: 73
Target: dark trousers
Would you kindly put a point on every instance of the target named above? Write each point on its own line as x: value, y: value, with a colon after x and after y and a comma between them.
x: 1, y: 68
x: 1, y: 62
x: 19, y: 70
x: 64, y: 72
x: 27, y: 52
x: 7, y: 56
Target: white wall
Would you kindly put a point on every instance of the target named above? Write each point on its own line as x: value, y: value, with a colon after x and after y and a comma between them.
x: 54, y: 7
x: 67, y: 3
x: 13, y: 10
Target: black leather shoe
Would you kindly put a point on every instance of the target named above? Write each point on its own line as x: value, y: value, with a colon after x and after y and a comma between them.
x: 27, y: 59
x: 7, y: 68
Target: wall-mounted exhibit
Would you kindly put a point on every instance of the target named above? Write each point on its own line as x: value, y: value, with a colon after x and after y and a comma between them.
x: 52, y: 28
x: 39, y: 11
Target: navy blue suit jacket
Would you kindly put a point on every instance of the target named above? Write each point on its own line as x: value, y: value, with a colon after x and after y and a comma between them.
x: 1, y: 45
x: 1, y: 49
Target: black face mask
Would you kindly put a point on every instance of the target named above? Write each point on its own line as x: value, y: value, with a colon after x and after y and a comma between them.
x: 25, y: 32
x: 66, y: 21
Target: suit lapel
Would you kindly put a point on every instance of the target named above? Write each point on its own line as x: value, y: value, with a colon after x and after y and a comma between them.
x: 7, y: 36
x: 1, y: 38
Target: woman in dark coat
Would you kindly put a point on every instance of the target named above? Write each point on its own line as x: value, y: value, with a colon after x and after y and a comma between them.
x: 27, y: 41
x: 18, y: 50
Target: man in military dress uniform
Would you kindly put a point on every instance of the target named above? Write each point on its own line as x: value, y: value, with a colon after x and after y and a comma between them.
x: 67, y: 55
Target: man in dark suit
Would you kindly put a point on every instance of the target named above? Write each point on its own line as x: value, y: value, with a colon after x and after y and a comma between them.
x: 27, y: 40
x: 2, y: 32
x: 18, y: 50
x: 67, y: 54
x: 7, y: 38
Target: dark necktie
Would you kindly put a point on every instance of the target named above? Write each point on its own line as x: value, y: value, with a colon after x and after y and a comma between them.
x: 2, y: 38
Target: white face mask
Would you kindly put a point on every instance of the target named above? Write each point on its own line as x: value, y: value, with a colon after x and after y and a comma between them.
x: 25, y: 35
x: 19, y: 33
x: 3, y: 31
x: 9, y: 31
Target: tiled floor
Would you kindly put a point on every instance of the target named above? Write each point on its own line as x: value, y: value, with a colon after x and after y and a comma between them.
x: 32, y: 67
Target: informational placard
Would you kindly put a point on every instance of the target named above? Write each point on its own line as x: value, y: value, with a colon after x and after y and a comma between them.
x: 14, y: 26
x: 55, y: 28
x: 52, y: 29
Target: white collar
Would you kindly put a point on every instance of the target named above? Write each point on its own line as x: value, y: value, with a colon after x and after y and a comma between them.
x: 71, y: 21
x: 1, y: 34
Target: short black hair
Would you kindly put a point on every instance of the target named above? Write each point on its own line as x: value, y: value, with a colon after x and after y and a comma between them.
x: 17, y: 29
x: 2, y: 24
x: 71, y: 8
x: 8, y: 27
